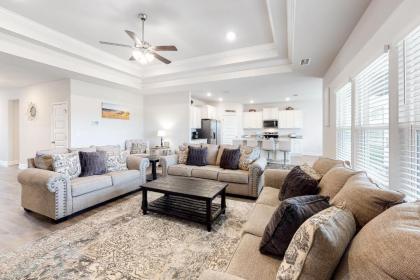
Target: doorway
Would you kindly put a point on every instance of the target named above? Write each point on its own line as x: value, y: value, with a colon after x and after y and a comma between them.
x: 13, y: 127
x: 59, y: 130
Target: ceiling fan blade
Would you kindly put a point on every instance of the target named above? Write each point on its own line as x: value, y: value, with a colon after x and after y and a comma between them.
x: 131, y: 58
x: 161, y: 58
x: 164, y: 48
x: 115, y: 44
x: 133, y: 36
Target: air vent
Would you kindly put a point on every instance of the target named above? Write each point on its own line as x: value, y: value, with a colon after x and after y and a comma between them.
x: 305, y: 61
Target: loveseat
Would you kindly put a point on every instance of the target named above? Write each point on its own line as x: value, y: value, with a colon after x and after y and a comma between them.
x: 241, y: 182
x: 381, y: 249
x: 56, y: 196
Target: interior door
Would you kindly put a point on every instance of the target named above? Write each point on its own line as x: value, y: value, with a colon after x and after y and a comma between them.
x: 59, y: 135
x: 230, y: 128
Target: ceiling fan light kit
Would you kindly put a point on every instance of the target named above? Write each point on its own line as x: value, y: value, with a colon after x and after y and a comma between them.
x: 143, y: 51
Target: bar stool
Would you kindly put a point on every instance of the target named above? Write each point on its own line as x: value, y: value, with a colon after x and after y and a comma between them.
x: 269, y: 145
x: 284, y: 145
x: 252, y: 143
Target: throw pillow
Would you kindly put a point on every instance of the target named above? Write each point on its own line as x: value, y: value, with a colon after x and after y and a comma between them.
x: 365, y: 199
x: 197, y: 156
x: 183, y: 154
x: 92, y: 163
x: 221, y: 148
x: 230, y: 159
x: 318, y: 245
x: 43, y: 162
x: 138, y: 148
x: 116, y: 162
x: 311, y: 171
x: 298, y: 183
x: 322, y: 165
x: 386, y: 248
x: 248, y: 156
x: 286, y: 220
x: 333, y: 181
x: 67, y: 164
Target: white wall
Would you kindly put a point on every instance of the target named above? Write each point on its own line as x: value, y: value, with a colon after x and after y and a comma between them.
x: 312, y: 121
x: 14, y: 131
x: 7, y: 117
x: 89, y: 128
x: 35, y: 134
x: 384, y: 22
x: 169, y: 112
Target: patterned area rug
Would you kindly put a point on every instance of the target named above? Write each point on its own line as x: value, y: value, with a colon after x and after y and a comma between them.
x: 121, y: 243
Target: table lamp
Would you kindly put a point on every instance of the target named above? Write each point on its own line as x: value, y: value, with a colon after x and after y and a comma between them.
x: 161, y: 134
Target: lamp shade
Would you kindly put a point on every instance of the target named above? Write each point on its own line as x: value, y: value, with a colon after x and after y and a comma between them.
x: 161, y: 133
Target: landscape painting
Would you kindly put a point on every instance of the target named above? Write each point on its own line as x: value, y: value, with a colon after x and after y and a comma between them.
x: 114, y: 111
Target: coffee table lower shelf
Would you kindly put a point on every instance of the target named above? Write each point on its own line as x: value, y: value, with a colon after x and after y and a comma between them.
x: 186, y: 208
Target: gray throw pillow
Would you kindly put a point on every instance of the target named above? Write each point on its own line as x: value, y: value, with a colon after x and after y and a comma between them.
x: 286, y: 220
x: 230, y: 159
x: 92, y: 163
x: 197, y: 156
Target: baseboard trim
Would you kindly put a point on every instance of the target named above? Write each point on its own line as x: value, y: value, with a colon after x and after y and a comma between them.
x: 4, y: 163
x: 23, y: 165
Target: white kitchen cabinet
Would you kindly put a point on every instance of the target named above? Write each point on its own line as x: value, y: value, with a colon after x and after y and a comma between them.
x: 270, y: 113
x: 195, y: 117
x: 208, y: 112
x: 252, y: 120
x: 290, y: 119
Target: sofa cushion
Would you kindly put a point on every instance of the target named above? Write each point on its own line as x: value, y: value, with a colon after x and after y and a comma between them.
x: 318, y: 245
x: 180, y: 170
x: 286, y: 220
x: 332, y: 182
x: 298, y: 183
x: 249, y: 263
x: 230, y: 159
x: 212, y: 151
x: 233, y: 176
x: 206, y: 172
x: 67, y: 164
x: 258, y: 219
x: 220, y: 152
x: 269, y: 196
x: 83, y: 185
x: 322, y: 165
x: 197, y: 156
x: 124, y: 177
x: 92, y: 163
x: 365, y: 199
x: 386, y: 248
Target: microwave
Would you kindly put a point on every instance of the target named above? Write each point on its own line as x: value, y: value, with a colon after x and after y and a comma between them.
x: 271, y: 124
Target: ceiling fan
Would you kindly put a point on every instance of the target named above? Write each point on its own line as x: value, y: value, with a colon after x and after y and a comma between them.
x: 143, y: 51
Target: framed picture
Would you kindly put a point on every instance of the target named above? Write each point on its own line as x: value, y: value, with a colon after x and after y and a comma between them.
x: 114, y: 111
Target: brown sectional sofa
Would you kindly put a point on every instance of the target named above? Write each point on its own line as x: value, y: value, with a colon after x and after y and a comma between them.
x: 241, y: 182
x: 248, y: 263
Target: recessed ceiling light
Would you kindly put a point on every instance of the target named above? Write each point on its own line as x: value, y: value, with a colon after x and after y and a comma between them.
x: 231, y: 36
x: 287, y: 99
x: 209, y: 93
x: 220, y: 99
x: 252, y: 101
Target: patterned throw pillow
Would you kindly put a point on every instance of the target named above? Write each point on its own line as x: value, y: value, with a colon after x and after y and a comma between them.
x: 318, y: 245
x: 116, y: 162
x: 67, y: 164
x: 183, y: 154
x: 138, y: 148
x: 248, y: 156
x: 311, y: 171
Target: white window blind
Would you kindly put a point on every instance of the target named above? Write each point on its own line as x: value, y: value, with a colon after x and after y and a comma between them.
x: 409, y: 114
x: 372, y: 120
x: 343, y: 123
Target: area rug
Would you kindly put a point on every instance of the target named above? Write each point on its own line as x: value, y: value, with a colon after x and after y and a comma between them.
x: 122, y: 243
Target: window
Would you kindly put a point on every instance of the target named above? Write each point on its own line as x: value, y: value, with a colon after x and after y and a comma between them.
x: 409, y: 113
x: 343, y: 123
x: 371, y: 139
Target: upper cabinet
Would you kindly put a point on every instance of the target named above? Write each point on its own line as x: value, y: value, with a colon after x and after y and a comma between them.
x: 252, y: 120
x: 208, y: 112
x: 290, y: 119
x: 270, y: 114
x: 195, y: 117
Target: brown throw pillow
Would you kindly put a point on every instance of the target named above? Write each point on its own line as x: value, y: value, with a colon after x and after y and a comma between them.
x: 365, y: 199
x: 197, y: 156
x: 230, y: 159
x: 92, y: 163
x: 298, y: 183
x: 286, y: 220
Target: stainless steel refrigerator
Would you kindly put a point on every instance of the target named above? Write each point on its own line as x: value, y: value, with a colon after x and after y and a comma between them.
x: 210, y: 130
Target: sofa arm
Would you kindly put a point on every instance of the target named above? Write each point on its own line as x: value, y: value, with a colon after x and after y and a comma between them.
x: 214, y: 275
x: 256, y: 180
x: 166, y: 161
x: 138, y: 163
x: 46, y: 192
x: 275, y: 177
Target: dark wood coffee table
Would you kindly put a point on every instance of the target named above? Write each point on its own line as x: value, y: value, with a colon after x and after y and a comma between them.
x: 186, y: 198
